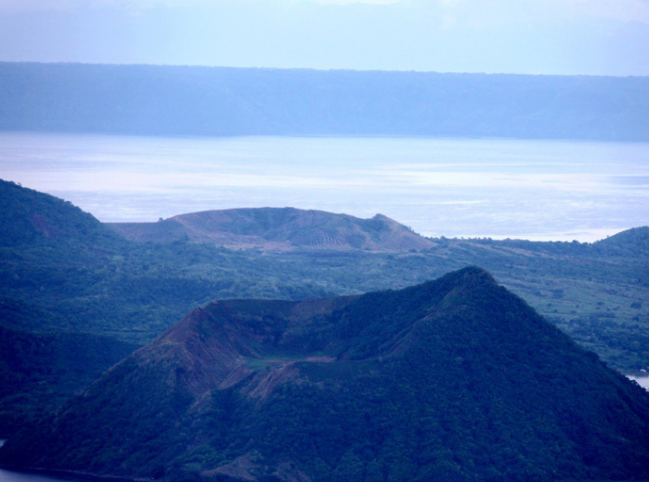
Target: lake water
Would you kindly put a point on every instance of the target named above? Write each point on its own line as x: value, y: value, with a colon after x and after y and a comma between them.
x: 642, y: 381
x: 452, y: 187
x: 9, y: 476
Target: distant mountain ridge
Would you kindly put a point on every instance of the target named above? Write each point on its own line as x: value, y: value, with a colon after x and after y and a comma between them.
x: 454, y: 379
x: 213, y: 101
x: 277, y: 229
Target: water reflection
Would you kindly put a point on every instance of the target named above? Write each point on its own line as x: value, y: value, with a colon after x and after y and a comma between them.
x: 451, y: 187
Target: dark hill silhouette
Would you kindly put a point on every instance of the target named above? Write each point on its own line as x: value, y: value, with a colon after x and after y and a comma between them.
x: 454, y: 379
x: 632, y: 240
x: 279, y: 229
x: 32, y: 217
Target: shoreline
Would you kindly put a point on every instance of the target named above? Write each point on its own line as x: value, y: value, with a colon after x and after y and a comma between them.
x: 642, y: 380
x: 70, y: 475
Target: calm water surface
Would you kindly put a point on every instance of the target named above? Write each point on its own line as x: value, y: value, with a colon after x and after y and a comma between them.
x: 9, y: 476
x: 451, y: 187
x: 642, y: 381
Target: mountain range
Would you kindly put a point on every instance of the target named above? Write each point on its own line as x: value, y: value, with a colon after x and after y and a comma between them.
x: 217, y: 101
x: 454, y: 379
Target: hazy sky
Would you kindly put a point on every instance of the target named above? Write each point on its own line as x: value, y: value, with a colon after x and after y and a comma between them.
x: 595, y: 37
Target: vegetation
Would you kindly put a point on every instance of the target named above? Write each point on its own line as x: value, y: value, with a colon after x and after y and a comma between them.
x: 39, y: 372
x: 455, y: 379
x: 62, y: 271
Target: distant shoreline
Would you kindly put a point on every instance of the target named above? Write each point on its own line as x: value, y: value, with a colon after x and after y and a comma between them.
x: 227, y: 101
x: 472, y: 188
x: 457, y: 137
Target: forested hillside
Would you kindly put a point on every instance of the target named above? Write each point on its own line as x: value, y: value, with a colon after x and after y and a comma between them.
x: 140, y: 99
x: 454, y: 379
x: 89, y: 279
x: 39, y: 372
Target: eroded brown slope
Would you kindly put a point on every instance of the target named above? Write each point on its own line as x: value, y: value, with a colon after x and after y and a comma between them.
x: 276, y: 229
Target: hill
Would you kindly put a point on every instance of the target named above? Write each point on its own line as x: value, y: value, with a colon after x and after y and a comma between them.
x: 631, y: 241
x: 89, y: 279
x: 30, y: 217
x: 454, y: 379
x: 204, y: 101
x: 278, y: 229
x: 596, y: 292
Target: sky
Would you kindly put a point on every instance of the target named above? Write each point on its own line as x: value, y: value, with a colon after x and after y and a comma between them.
x: 565, y: 37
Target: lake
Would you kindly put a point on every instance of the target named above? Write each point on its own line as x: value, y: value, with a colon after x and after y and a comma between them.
x: 642, y: 381
x: 9, y: 476
x: 539, y: 190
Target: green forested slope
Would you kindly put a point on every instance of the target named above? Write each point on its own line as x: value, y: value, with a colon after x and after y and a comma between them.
x: 61, y: 271
x: 455, y: 379
x: 31, y: 218
x: 69, y: 280
x: 39, y: 372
